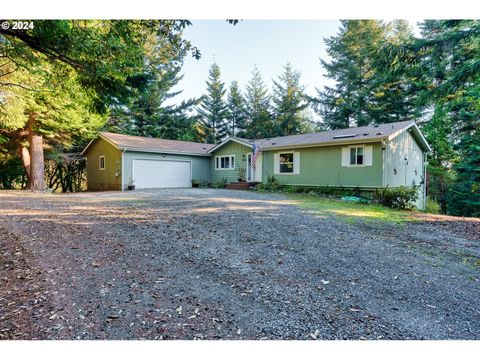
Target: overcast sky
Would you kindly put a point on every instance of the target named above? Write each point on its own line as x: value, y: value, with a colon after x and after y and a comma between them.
x: 269, y: 44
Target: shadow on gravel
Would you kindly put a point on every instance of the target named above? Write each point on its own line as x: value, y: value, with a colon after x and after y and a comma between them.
x: 219, y: 264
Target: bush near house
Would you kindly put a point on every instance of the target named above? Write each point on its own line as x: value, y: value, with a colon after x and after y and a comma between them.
x: 398, y: 198
x: 219, y: 184
x: 273, y: 185
x: 432, y: 206
x: 401, y: 197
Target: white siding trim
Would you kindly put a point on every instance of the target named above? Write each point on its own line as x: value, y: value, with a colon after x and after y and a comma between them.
x: 345, y: 156
x: 258, y: 171
x: 122, y: 168
x: 296, y: 163
x: 276, y: 163
x: 368, y: 155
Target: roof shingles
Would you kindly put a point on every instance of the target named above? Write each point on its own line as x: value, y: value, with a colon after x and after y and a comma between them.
x: 363, y: 133
x: 373, y: 132
x: 154, y: 144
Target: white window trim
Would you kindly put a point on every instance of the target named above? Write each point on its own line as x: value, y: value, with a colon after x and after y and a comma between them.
x: 293, y: 163
x: 231, y: 156
x: 349, y: 152
x: 100, y: 162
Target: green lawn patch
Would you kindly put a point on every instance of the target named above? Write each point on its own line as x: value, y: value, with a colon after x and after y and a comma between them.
x: 351, y: 212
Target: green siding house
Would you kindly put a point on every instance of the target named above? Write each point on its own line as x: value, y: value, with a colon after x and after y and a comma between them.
x: 365, y: 158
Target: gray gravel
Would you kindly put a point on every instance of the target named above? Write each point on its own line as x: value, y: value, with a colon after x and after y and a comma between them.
x: 210, y: 264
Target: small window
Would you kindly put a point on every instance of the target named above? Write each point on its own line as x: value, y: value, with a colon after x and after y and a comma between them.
x: 225, y: 162
x: 101, y: 163
x: 286, y: 163
x: 356, y: 156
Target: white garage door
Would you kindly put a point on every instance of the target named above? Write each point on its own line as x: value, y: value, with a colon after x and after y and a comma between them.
x: 161, y: 173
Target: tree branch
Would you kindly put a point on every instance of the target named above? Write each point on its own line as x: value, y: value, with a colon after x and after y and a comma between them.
x: 20, y: 86
x: 38, y: 46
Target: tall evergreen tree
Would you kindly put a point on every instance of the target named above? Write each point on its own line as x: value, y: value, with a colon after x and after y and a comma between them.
x: 289, y: 102
x: 366, y: 90
x: 438, y: 132
x: 447, y: 62
x: 150, y: 115
x: 213, y: 109
x: 236, y: 110
x: 260, y: 123
x: 66, y: 68
x: 444, y: 67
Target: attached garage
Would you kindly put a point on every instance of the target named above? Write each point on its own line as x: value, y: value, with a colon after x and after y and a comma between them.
x: 117, y: 161
x: 150, y: 174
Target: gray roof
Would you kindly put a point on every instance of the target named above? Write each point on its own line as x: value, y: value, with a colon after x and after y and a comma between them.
x: 139, y: 143
x: 370, y: 133
x: 358, y: 134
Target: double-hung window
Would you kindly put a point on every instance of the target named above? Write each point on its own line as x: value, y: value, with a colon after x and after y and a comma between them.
x: 286, y: 163
x: 356, y: 156
x: 225, y: 162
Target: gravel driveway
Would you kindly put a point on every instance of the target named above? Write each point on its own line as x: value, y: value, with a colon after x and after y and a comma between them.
x: 210, y: 264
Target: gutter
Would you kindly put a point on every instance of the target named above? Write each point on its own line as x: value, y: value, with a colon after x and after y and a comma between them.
x: 330, y: 143
x: 123, y: 167
x: 164, y: 152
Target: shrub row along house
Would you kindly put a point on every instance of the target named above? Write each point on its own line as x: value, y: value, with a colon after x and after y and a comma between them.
x: 364, y: 158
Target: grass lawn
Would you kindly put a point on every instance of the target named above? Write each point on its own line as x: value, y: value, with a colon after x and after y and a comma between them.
x: 352, y: 212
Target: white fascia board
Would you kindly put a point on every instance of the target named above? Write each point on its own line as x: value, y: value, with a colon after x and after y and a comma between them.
x: 104, y: 138
x: 163, y: 151
x: 226, y: 141
x: 417, y: 130
x: 331, y: 143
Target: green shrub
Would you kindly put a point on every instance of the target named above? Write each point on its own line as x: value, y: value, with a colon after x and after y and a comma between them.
x: 432, y: 206
x: 272, y: 185
x: 398, y: 198
x: 291, y: 189
x: 219, y: 184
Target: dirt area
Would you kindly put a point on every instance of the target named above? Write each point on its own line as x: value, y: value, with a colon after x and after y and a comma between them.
x: 220, y: 264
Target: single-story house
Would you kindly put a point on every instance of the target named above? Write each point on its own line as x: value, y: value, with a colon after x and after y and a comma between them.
x: 367, y: 158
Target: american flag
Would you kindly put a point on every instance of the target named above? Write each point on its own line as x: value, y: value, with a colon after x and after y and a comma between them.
x: 256, y: 152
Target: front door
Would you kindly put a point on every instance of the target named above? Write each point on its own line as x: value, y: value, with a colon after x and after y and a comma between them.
x: 249, y: 167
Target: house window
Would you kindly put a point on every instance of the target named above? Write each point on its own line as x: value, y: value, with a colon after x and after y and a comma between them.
x: 225, y: 162
x: 286, y: 163
x: 101, y: 162
x: 356, y: 156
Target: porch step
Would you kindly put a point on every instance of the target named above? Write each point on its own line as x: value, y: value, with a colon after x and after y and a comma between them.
x: 238, y: 186
x: 241, y: 185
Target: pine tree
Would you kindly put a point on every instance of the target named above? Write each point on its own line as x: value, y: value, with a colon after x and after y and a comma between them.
x: 68, y: 73
x: 260, y: 122
x: 213, y: 109
x: 367, y: 90
x: 438, y: 132
x: 449, y: 76
x: 149, y: 115
x: 289, y: 102
x: 46, y: 107
x: 236, y: 110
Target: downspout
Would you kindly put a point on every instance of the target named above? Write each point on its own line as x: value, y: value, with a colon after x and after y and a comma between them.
x: 424, y: 180
x: 123, y: 166
x: 384, y: 150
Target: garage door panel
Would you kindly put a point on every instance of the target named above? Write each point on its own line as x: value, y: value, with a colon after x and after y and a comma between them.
x: 161, y: 173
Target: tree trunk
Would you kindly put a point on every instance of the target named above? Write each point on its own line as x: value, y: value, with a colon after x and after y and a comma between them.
x: 25, y: 156
x: 37, y: 166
